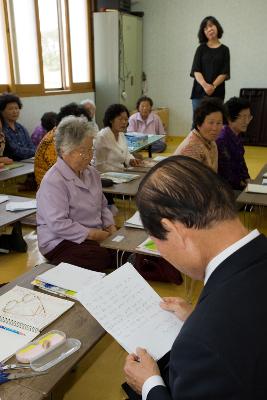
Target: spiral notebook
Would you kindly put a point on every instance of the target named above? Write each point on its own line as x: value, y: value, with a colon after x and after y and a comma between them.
x: 23, y: 314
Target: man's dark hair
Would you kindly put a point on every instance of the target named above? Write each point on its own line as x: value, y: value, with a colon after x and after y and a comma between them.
x: 182, y: 189
x: 234, y: 105
x: 207, y: 106
x: 144, y: 98
x: 72, y: 109
x: 201, y: 35
x: 7, y: 98
x: 49, y: 120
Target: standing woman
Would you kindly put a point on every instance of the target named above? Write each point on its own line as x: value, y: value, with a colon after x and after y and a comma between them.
x: 211, y: 65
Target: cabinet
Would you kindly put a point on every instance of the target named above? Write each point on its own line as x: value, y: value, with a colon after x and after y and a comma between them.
x: 256, y: 134
x: 118, y: 60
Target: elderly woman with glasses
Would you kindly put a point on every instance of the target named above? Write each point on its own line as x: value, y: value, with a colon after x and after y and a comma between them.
x: 72, y: 213
x: 231, y: 162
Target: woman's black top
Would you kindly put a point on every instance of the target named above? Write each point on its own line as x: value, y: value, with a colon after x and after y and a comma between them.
x: 211, y: 62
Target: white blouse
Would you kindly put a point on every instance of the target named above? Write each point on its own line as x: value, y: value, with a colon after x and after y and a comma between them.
x: 110, y: 153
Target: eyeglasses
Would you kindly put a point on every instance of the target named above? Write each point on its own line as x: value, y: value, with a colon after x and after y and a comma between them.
x: 86, y: 153
x: 29, y: 305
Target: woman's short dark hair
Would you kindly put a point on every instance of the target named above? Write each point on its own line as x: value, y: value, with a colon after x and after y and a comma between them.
x: 49, y: 120
x: 112, y: 112
x: 207, y: 106
x: 144, y: 98
x: 7, y: 98
x: 184, y: 190
x: 201, y: 35
x: 72, y: 109
x: 234, y: 105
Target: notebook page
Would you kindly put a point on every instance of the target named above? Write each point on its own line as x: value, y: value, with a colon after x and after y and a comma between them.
x: 128, y: 308
x: 31, y: 310
x: 70, y: 276
x: 11, y: 342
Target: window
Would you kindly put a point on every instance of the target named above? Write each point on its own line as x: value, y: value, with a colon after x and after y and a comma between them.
x: 46, y: 46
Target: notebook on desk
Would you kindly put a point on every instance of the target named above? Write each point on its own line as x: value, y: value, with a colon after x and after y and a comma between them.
x: 23, y: 314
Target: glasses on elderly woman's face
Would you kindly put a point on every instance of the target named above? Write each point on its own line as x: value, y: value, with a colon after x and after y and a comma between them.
x: 86, y: 154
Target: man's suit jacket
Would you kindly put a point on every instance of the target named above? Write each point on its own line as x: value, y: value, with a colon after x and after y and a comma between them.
x: 221, y: 351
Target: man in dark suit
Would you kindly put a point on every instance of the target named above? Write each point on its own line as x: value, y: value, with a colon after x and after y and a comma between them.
x: 221, y: 351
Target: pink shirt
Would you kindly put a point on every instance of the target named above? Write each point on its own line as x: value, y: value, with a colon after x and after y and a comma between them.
x: 69, y: 206
x: 152, y: 124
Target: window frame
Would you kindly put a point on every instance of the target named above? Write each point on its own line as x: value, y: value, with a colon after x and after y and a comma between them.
x: 30, y: 90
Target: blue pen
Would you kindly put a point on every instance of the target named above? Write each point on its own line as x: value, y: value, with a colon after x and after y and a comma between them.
x: 11, y: 330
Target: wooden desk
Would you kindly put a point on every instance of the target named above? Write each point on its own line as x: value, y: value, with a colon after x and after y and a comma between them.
x: 25, y: 169
x: 76, y: 323
x: 9, y: 217
x: 125, y: 189
x: 254, y: 201
x: 151, y: 139
x: 257, y: 199
x: 132, y: 238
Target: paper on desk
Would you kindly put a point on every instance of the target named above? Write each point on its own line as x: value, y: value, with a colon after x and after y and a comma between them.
x: 148, y: 246
x: 128, y: 308
x: 3, y: 198
x: 134, y: 221
x: 21, y: 205
x: 70, y: 277
x: 255, y: 188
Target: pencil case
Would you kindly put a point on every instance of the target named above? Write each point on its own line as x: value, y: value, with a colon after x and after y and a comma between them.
x: 48, y: 350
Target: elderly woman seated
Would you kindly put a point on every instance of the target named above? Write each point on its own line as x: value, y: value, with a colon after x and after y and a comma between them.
x: 200, y: 143
x: 146, y: 121
x: 111, y: 149
x: 72, y: 213
x: 18, y: 143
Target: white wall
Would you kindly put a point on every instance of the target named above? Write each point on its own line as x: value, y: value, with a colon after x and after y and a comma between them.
x: 170, y: 41
x: 35, y: 107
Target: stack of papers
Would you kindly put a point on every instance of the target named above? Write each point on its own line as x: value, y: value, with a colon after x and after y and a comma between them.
x: 134, y: 221
x: 67, y: 279
x: 21, y: 205
x: 119, y: 177
x: 254, y: 188
x: 3, y: 198
x: 148, y: 246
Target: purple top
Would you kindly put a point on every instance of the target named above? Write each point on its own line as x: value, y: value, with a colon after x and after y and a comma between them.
x: 68, y: 206
x: 38, y: 135
x: 231, y: 163
x: 152, y: 124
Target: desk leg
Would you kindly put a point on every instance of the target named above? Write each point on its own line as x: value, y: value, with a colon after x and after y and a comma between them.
x: 149, y: 151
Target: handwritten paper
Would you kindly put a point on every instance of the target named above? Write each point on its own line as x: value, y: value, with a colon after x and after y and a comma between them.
x: 128, y: 308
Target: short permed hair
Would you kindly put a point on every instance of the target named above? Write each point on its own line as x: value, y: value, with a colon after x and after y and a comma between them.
x: 234, y: 105
x: 7, y: 98
x: 201, y: 34
x: 143, y: 98
x: 113, y: 111
x: 72, y: 109
x: 70, y: 133
x: 183, y: 189
x: 207, y: 106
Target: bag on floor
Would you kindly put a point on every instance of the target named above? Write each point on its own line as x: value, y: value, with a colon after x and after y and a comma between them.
x: 155, y: 269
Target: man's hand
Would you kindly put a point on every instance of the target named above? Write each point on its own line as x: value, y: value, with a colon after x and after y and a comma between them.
x: 178, y: 306
x: 138, y: 368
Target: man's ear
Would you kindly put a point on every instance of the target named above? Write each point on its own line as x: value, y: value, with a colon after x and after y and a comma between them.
x: 176, y: 230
